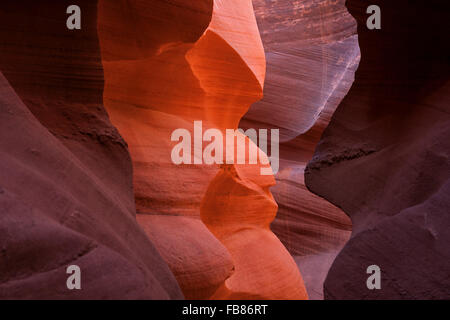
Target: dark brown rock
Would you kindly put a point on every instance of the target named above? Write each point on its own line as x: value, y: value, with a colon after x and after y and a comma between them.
x: 312, y: 53
x: 64, y: 169
x: 384, y: 159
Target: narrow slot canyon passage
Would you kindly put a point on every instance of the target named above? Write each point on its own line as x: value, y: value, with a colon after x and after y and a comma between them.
x: 311, y: 64
x: 124, y: 176
x: 213, y: 224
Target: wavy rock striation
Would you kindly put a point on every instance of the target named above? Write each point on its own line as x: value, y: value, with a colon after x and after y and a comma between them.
x: 200, y: 60
x: 65, y: 173
x: 312, y: 53
x: 384, y: 159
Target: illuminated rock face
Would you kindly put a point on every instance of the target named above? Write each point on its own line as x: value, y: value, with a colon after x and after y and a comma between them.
x: 65, y: 173
x: 210, y: 67
x: 384, y: 159
x: 69, y: 188
x: 312, y: 53
x: 263, y: 267
x: 198, y: 260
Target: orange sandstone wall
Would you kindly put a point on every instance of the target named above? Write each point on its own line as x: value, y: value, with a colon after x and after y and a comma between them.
x: 177, y: 63
x: 312, y: 53
x: 65, y: 173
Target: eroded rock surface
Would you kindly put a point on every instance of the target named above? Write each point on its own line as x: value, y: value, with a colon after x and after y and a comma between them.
x: 384, y: 159
x: 65, y: 173
x: 312, y: 53
x: 208, y: 66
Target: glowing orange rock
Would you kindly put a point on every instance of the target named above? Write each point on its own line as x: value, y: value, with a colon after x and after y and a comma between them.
x: 312, y: 53
x: 208, y: 66
x: 198, y: 260
x: 264, y: 268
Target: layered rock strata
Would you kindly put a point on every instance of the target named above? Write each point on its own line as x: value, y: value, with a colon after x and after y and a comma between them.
x: 312, y: 53
x: 384, y: 158
x: 210, y: 67
x: 65, y: 173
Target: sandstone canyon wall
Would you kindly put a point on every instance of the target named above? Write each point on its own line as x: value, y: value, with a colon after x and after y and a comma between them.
x: 70, y: 189
x: 312, y: 53
x: 210, y: 67
x: 166, y: 65
x: 384, y: 158
x: 87, y: 175
x: 65, y: 173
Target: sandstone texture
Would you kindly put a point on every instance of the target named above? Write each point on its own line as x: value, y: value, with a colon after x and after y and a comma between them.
x: 312, y: 53
x: 87, y: 171
x: 65, y: 172
x: 384, y: 158
x: 208, y: 67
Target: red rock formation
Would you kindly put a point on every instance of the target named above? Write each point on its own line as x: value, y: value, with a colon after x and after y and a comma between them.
x: 209, y: 67
x: 199, y: 261
x: 311, y: 51
x: 384, y: 159
x: 65, y: 173
x: 312, y: 54
x: 68, y: 194
x: 264, y: 268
